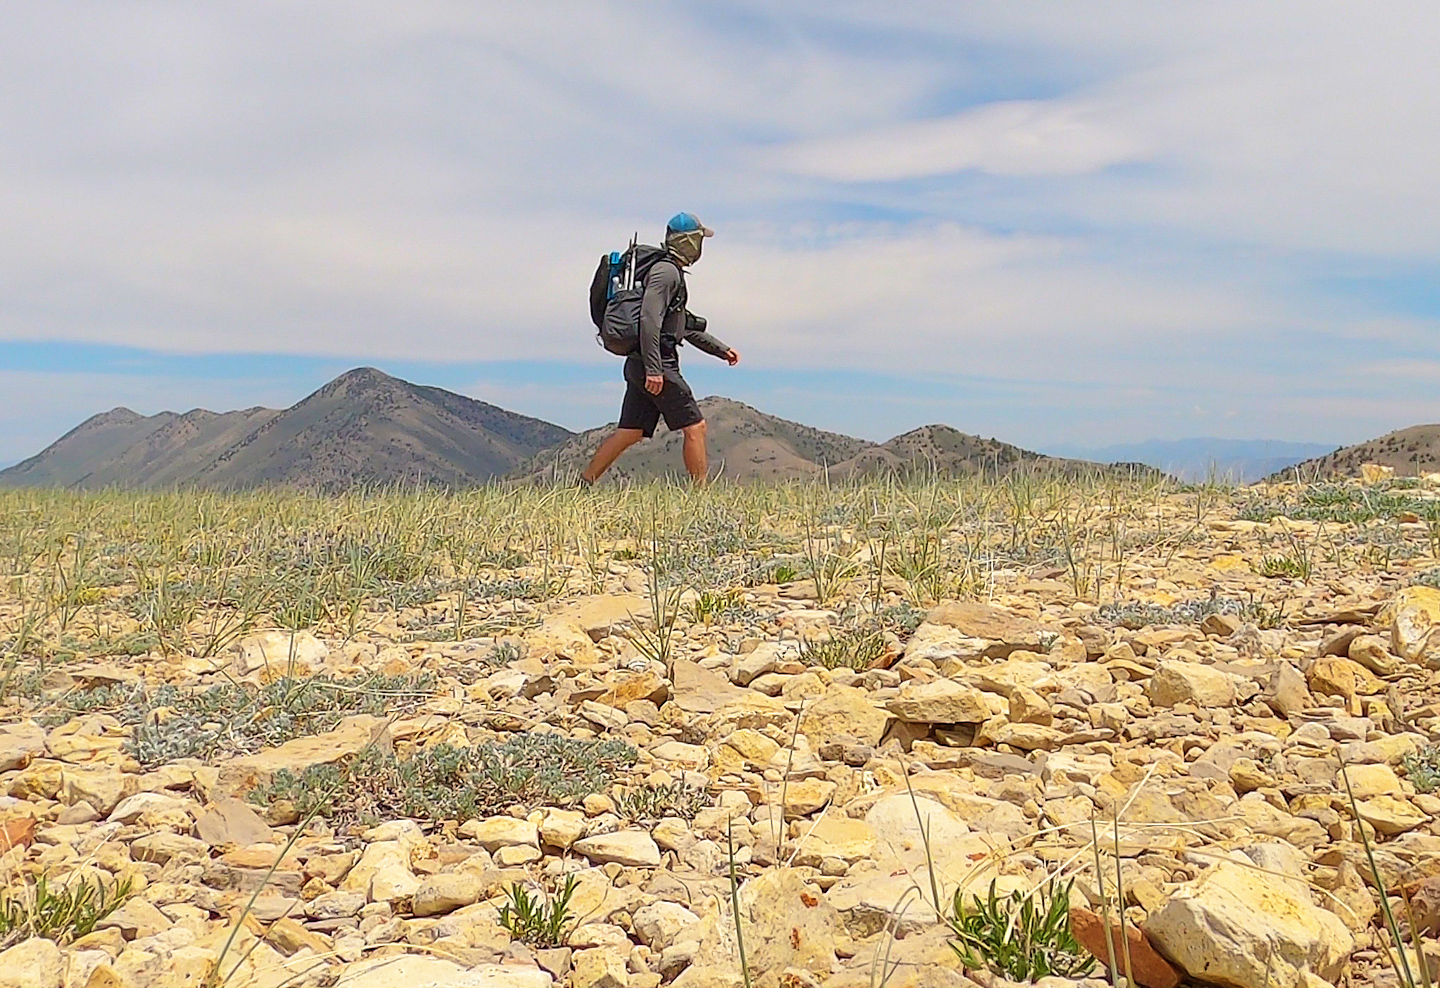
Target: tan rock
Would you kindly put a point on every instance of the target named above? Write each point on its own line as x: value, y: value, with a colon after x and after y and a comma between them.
x: 1373, y: 652
x: 1415, y: 624
x: 444, y: 893
x: 600, y: 967
x: 1189, y: 682
x: 837, y: 837
x: 562, y: 828
x: 229, y: 821
x: 844, y: 712
x: 941, y: 701
x: 239, y: 775
x: 1239, y: 927
x: 632, y: 848
x: 19, y: 743
x: 1369, y: 780
x: 1029, y: 707
x: 1004, y: 630
x: 806, y: 796
x: 1390, y: 815
x: 101, y: 787
x: 501, y: 831
x: 32, y: 963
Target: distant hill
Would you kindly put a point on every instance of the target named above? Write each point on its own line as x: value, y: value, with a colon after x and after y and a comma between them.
x: 363, y: 427
x: 746, y: 444
x: 1241, y: 461
x: 366, y: 427
x: 1411, y: 451
x: 948, y: 452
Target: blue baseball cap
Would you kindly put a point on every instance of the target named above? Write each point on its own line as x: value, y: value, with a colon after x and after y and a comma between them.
x: 688, y: 223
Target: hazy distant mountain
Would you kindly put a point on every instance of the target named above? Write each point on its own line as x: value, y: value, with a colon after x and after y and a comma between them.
x: 1241, y: 461
x: 366, y: 427
x: 1411, y: 451
x: 748, y: 445
x: 744, y: 444
x: 362, y: 427
x: 948, y: 452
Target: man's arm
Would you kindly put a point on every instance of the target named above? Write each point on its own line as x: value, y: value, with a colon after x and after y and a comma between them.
x: 708, y: 343
x: 661, y: 284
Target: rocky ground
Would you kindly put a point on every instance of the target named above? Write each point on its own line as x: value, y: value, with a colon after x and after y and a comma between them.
x: 1213, y: 733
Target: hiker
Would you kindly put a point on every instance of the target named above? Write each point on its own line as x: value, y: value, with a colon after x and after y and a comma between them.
x: 654, y: 388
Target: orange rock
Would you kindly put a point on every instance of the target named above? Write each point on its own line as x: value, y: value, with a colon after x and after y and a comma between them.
x: 1151, y: 970
x: 17, y: 832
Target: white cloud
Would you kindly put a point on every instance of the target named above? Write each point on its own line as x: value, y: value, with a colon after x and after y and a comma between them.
x: 1014, y: 137
x: 1108, y: 195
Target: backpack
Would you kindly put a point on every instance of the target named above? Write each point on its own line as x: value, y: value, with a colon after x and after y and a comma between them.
x: 616, y: 293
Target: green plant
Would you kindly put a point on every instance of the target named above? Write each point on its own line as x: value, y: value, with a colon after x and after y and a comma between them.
x: 857, y: 648
x: 1422, y: 768
x: 443, y: 782
x: 539, y: 919
x: 170, y: 723
x: 1023, y: 937
x: 1289, y: 565
x: 650, y: 802
x: 710, y: 606
x: 59, y: 912
x: 784, y: 573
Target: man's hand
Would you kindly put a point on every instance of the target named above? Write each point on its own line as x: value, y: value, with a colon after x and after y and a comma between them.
x: 654, y: 383
x: 732, y: 357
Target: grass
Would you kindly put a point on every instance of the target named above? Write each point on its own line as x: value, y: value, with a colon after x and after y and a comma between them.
x: 538, y: 919
x: 855, y: 648
x: 62, y: 912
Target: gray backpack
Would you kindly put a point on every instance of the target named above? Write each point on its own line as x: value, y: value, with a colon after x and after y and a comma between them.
x: 617, y: 291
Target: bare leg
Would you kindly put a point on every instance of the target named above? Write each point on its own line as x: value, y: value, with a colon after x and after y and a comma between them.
x: 618, y: 442
x: 695, y: 459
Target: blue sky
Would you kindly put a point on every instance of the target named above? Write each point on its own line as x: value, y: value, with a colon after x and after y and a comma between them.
x: 1051, y: 223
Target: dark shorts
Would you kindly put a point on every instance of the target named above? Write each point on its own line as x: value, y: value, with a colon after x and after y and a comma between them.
x: 642, y: 410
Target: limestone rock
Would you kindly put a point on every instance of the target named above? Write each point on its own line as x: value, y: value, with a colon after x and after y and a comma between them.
x: 443, y: 893
x: 1189, y: 682
x: 601, y: 615
x: 229, y: 821
x: 1003, y: 630
x: 1391, y: 815
x: 239, y: 775
x: 417, y: 971
x: 699, y: 691
x: 659, y: 923
x: 844, y: 712
x: 1233, y: 922
x: 787, y: 922
x: 600, y: 967
x: 280, y: 652
x: 501, y: 831
x: 1415, y: 625
x: 632, y: 848
x: 33, y: 963
x: 19, y: 743
x: 941, y: 701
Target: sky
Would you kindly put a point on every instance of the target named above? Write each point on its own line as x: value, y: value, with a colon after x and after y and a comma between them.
x: 1054, y: 223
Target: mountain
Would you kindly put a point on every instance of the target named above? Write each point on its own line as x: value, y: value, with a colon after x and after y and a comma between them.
x: 948, y: 452
x: 1242, y: 461
x: 1411, y: 451
x: 69, y: 460
x: 364, y: 427
x: 746, y: 444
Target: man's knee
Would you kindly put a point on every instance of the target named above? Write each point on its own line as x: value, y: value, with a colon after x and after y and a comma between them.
x: 694, y: 433
x: 629, y: 436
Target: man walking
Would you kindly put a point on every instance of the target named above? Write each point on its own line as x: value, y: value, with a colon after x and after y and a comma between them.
x: 654, y: 388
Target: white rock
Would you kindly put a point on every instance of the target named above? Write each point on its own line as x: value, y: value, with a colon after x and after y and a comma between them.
x: 279, y: 651
x: 632, y: 848
x: 33, y: 963
x: 658, y: 924
x: 415, y: 971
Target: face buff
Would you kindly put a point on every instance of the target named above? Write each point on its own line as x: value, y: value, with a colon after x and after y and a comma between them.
x: 685, y: 245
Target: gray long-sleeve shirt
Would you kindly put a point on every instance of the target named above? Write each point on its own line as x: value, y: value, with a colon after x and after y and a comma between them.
x: 662, y: 329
